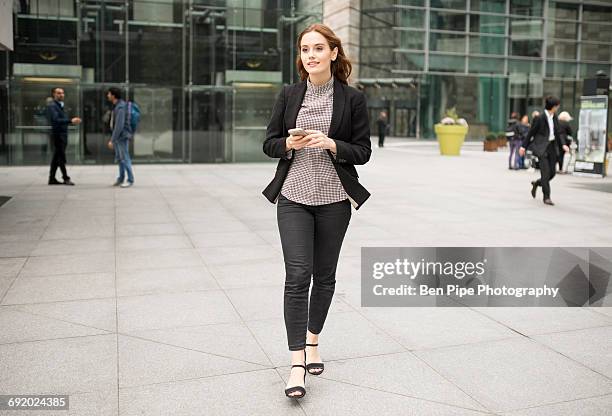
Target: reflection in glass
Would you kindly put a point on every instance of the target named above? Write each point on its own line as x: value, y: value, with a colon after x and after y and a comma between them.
x: 596, y: 52
x: 562, y: 50
x: 444, y: 63
x: 491, y: 6
x: 411, y: 40
x: 448, y: 21
x: 526, y: 7
x: 489, y: 45
x: 411, y: 18
x: 562, y: 10
x: 594, y: 13
x: 487, y: 24
x: 449, y: 4
x: 447, y: 42
x: 562, y: 30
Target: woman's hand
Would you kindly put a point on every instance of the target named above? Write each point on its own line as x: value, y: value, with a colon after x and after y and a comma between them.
x: 320, y: 140
x: 296, y: 142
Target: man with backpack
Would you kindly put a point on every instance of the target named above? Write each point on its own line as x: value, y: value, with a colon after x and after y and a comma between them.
x: 121, y: 125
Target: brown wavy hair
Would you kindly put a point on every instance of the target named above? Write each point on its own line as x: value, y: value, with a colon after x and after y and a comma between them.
x: 340, y: 68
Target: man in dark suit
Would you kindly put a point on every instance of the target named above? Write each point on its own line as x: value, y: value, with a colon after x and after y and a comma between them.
x: 59, y: 136
x: 546, y: 144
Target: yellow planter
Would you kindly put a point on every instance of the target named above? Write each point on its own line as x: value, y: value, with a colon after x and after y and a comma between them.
x: 450, y: 138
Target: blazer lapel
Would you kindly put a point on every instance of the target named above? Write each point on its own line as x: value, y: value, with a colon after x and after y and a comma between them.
x: 294, y: 102
x: 338, y: 109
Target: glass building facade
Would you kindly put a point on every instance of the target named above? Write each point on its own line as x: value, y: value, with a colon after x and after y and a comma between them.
x: 487, y: 58
x: 204, y: 72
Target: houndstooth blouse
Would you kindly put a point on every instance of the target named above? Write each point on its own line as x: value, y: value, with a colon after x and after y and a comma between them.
x: 312, y: 178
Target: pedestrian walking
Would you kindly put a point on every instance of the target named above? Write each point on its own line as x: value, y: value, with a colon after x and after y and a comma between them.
x: 546, y: 145
x: 383, y: 125
x: 315, y: 185
x: 565, y: 131
x: 120, y: 139
x: 513, y: 135
x: 523, y: 130
x: 59, y: 122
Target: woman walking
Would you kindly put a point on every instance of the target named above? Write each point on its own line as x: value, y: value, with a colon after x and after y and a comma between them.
x: 315, y: 185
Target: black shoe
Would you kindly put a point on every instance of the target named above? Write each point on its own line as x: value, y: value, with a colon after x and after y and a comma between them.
x: 299, y: 389
x: 534, y: 188
x: 314, y: 368
x: 547, y: 201
x: 68, y: 182
x: 54, y: 181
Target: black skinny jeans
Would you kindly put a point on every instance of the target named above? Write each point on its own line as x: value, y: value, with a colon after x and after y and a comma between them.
x: 311, y: 237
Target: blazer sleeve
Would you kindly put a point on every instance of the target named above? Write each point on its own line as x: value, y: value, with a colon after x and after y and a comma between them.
x: 532, y: 131
x: 358, y: 151
x: 275, y: 143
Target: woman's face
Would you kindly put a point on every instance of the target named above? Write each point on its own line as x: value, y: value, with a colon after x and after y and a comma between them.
x: 315, y: 54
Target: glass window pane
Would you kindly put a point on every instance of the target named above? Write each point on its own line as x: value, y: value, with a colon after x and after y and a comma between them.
x: 410, y: 2
x: 444, y: 42
x: 524, y: 66
x: 487, y: 24
x: 486, y: 65
x: 601, y: 53
x: 597, y: 13
x: 526, y: 28
x: 526, y: 7
x: 561, y: 69
x: 590, y: 70
x: 487, y: 45
x: 446, y: 63
x: 492, y: 6
x: 562, y: 30
x: 596, y: 33
x: 562, y: 50
x: 411, y: 40
x: 526, y: 48
x: 410, y: 61
x: 411, y: 18
x: 448, y: 21
x: 559, y: 10
x: 449, y: 4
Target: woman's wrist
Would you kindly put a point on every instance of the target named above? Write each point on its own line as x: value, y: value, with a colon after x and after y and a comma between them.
x: 288, y: 144
x: 333, y: 147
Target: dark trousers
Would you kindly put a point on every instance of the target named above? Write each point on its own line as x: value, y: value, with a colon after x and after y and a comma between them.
x: 381, y: 139
x: 548, y: 170
x: 59, y: 158
x: 311, y: 237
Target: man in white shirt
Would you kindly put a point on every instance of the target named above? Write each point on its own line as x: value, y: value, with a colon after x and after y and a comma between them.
x: 546, y: 144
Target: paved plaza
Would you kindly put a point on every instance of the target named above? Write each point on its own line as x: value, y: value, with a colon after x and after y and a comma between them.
x: 166, y: 298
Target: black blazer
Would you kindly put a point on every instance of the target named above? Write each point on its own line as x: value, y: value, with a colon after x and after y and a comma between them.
x: 59, y: 121
x: 539, y: 131
x: 349, y: 127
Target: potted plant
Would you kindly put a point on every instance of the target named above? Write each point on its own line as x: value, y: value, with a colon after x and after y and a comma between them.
x: 490, y: 143
x: 451, y: 132
x: 502, y: 140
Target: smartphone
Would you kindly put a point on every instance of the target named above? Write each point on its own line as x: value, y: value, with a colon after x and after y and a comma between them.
x: 298, y: 132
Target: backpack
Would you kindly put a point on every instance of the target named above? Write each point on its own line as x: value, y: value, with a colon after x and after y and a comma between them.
x: 512, y: 132
x: 133, y: 112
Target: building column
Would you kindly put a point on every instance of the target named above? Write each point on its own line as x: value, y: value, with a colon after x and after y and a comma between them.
x: 343, y: 17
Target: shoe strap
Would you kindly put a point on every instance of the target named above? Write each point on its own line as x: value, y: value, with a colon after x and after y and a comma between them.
x: 299, y: 365
x: 312, y: 345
